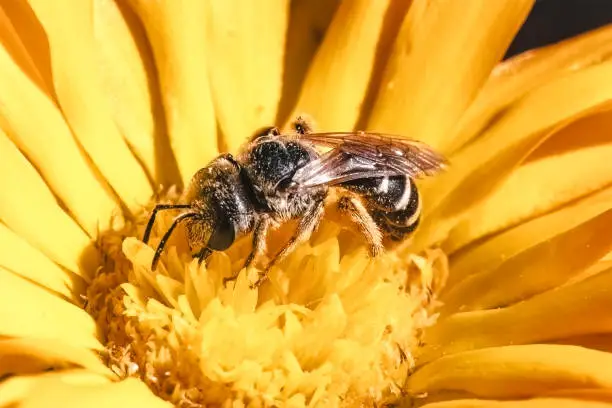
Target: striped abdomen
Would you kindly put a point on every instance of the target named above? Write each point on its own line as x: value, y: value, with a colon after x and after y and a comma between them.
x: 393, y: 202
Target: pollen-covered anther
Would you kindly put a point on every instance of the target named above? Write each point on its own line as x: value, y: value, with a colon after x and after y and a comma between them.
x: 331, y: 324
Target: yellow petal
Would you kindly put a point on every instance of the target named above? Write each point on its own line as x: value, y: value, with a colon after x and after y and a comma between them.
x: 176, y: 31
x: 514, y: 371
x: 537, y: 269
x: 592, y: 394
x: 491, y: 253
x: 69, y: 28
x: 129, y: 77
x: 44, y: 138
x: 603, y: 264
x: 245, y: 64
x: 579, y: 309
x: 21, y: 258
x: 30, y: 210
x: 127, y: 393
x: 514, y: 77
x: 25, y: 40
x: 16, y: 389
x: 339, y: 76
x: 602, y: 342
x: 308, y: 23
x: 479, y: 168
x: 77, y: 390
x: 572, y: 163
x: 442, y: 56
x: 28, y: 310
x: 560, y: 402
x: 33, y: 355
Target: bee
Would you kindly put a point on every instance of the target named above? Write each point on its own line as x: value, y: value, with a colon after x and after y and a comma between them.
x: 279, y: 177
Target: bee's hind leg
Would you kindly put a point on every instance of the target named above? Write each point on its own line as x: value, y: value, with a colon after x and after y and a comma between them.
x: 302, y: 125
x: 307, y: 225
x: 260, y: 233
x: 353, y: 207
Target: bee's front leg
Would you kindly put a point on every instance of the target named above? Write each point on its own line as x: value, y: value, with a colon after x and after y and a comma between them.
x: 260, y: 233
x: 307, y: 225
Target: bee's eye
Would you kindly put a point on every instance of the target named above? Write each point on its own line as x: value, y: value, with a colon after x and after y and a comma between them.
x: 223, y: 235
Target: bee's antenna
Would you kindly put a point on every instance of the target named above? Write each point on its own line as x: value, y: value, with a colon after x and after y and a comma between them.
x: 162, y: 243
x: 159, y: 207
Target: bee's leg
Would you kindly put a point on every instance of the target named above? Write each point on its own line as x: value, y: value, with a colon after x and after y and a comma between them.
x: 307, y: 225
x: 357, y: 212
x: 302, y: 125
x: 202, y: 255
x: 259, y: 239
x: 260, y: 232
x: 160, y: 207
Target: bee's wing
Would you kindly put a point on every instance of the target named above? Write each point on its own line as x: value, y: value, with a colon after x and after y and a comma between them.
x: 356, y: 155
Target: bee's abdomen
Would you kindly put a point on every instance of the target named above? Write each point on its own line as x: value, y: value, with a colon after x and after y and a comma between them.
x: 393, y: 202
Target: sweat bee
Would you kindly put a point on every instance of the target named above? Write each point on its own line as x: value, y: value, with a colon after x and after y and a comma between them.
x: 277, y: 177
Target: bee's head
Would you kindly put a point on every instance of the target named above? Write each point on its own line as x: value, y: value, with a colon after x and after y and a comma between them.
x: 217, y: 209
x: 217, y: 195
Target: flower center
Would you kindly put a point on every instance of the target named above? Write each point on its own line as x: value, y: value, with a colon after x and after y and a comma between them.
x: 330, y: 325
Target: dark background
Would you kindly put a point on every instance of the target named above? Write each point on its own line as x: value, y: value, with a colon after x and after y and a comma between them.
x: 554, y: 20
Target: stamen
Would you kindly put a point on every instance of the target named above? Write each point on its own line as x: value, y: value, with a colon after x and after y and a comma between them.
x: 330, y: 324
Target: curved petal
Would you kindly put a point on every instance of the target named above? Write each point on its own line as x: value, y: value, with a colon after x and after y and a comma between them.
x: 535, y: 270
x: 34, y: 355
x: 514, y: 371
x: 489, y: 255
x: 129, y: 76
x: 572, y: 163
x: 479, y: 168
x: 46, y: 137
x: 600, y: 341
x: 309, y: 20
x: 28, y: 208
x: 574, y: 310
x: 512, y: 78
x: 26, y: 41
x: 603, y: 264
x: 581, y: 401
x: 335, y: 87
x: 441, y: 58
x: 16, y: 389
x: 246, y: 42
x: 75, y: 389
x: 69, y: 28
x: 27, y: 310
x: 178, y: 37
x: 585, y: 394
x: 19, y: 257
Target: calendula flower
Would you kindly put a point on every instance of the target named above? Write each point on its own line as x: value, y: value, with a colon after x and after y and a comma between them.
x: 109, y: 107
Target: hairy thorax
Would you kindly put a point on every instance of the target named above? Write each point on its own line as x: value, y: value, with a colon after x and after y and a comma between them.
x: 270, y: 164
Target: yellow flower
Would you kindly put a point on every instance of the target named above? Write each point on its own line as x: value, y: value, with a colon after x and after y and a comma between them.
x: 500, y: 299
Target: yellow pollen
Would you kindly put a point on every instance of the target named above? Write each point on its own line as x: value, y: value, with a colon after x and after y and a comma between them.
x: 331, y: 327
